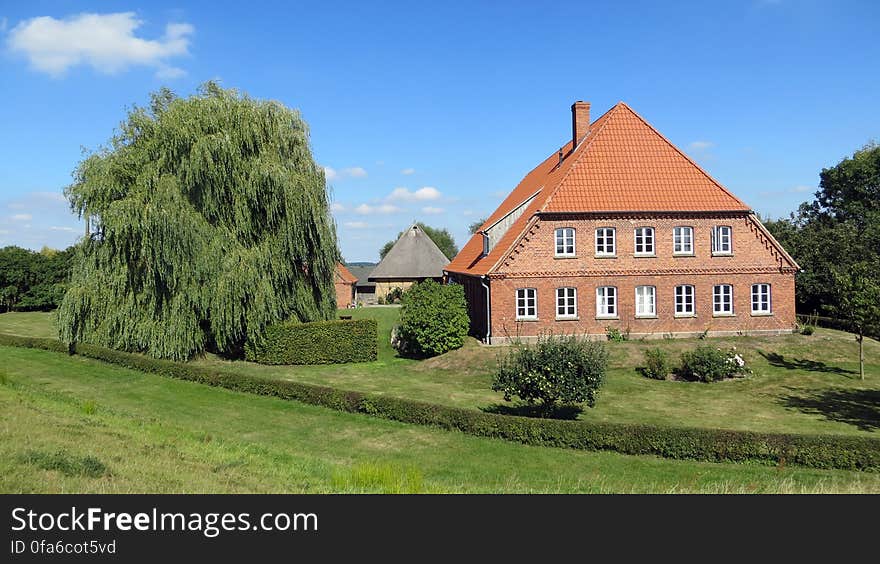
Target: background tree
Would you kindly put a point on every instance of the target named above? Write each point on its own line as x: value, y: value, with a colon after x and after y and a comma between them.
x: 33, y: 281
x: 839, y: 228
x: 210, y: 222
x: 475, y: 226
x: 441, y: 237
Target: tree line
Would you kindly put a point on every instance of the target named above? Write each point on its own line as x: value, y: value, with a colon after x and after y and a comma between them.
x: 33, y: 280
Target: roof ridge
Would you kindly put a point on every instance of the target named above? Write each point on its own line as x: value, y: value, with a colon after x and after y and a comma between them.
x: 606, y: 116
x: 682, y: 153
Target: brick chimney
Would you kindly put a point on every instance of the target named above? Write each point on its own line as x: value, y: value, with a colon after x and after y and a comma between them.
x: 580, y: 122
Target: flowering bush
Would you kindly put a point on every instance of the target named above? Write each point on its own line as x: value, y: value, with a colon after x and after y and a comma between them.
x: 555, y: 370
x: 710, y: 364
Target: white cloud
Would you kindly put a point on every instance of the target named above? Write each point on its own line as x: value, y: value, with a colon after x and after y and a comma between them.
x: 420, y: 195
x: 106, y: 42
x: 407, y: 171
x: 65, y: 229
x: 337, y: 207
x: 798, y: 189
x: 351, y: 172
x: 432, y: 210
x: 3, y: 24
x: 701, y: 145
x: 467, y: 212
x: 22, y: 217
x: 357, y: 224
x: 367, y: 209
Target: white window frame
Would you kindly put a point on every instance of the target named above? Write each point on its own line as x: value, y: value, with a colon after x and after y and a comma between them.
x: 722, y: 240
x: 644, y: 236
x: 568, y: 297
x: 682, y: 240
x: 764, y: 294
x: 604, y: 252
x: 718, y: 292
x: 685, y: 297
x: 643, y: 301
x: 606, y: 302
x: 565, y: 238
x: 522, y: 302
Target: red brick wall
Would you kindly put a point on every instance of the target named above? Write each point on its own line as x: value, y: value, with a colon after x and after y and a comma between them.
x: 754, y: 260
x: 344, y: 294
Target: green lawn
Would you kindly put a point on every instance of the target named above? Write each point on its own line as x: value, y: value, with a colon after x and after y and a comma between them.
x: 802, y: 384
x: 71, y: 424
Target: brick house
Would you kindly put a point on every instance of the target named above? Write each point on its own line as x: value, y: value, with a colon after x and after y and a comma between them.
x: 344, y: 282
x: 619, y: 228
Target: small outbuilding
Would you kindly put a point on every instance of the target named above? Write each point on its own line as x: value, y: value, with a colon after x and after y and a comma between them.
x: 413, y: 258
x: 345, y: 283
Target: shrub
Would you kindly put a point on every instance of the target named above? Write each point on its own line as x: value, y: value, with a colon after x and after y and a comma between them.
x: 380, y: 300
x: 709, y: 364
x: 806, y: 329
x: 321, y: 342
x: 394, y: 295
x: 556, y: 370
x: 614, y: 334
x: 657, y: 364
x: 433, y: 320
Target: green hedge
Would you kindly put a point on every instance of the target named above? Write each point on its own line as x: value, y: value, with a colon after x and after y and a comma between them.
x: 321, y: 342
x: 817, y: 451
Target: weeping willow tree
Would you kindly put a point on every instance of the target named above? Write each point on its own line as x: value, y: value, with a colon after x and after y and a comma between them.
x: 209, y: 221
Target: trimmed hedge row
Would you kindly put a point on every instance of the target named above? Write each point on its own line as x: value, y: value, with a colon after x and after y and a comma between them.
x: 817, y: 451
x: 320, y: 342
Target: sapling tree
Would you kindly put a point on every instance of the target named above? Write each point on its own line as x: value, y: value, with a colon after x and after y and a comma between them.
x: 858, y: 301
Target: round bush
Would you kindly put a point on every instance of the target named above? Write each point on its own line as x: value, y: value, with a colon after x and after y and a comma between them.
x: 657, y: 364
x: 556, y: 370
x: 433, y: 320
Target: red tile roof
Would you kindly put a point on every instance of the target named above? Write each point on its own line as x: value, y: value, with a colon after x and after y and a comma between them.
x: 344, y: 274
x: 622, y: 165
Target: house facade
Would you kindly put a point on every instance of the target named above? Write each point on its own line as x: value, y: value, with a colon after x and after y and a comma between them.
x: 620, y: 229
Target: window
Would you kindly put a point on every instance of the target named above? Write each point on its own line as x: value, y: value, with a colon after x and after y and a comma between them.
x: 605, y: 241
x: 722, y: 299
x: 526, y: 303
x: 683, y: 240
x: 606, y: 301
x: 565, y: 242
x: 684, y: 300
x: 760, y: 298
x: 721, y: 240
x: 645, y: 302
x: 644, y: 240
x: 566, y: 303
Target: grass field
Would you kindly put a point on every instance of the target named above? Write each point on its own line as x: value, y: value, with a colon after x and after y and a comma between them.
x: 71, y: 424
x: 801, y: 384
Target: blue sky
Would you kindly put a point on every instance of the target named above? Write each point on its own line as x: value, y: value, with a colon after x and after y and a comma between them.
x: 434, y: 111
